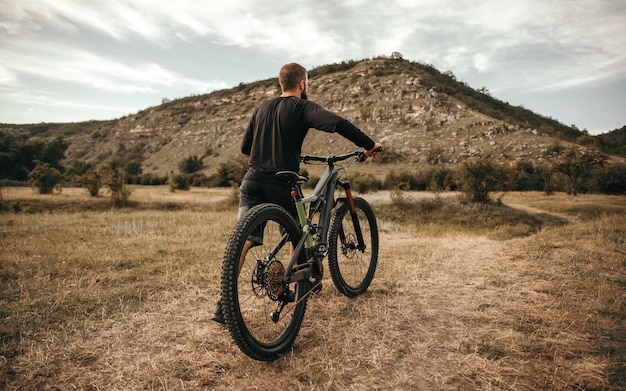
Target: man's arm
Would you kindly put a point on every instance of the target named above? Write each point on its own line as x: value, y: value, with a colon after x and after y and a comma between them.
x: 322, y: 119
x: 246, y: 143
x: 348, y: 130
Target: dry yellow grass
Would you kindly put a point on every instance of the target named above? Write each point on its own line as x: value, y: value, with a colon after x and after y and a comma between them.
x: 122, y: 299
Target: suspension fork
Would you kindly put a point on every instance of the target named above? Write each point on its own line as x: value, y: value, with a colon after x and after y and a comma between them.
x: 355, y: 219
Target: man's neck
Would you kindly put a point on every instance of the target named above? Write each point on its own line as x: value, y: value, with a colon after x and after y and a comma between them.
x: 297, y: 94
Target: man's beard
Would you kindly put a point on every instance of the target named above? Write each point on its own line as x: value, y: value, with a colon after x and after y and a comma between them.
x: 304, y: 95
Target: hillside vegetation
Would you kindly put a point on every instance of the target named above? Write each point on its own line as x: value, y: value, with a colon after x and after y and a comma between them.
x: 421, y: 115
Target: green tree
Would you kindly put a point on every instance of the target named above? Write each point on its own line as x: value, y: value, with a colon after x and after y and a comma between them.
x: 44, y: 177
x: 574, y: 162
x: 18, y: 153
x: 54, y: 151
x: 610, y: 179
x: 11, y: 160
x: 132, y: 172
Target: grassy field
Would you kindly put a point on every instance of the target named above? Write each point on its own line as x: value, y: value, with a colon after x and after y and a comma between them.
x: 526, y: 295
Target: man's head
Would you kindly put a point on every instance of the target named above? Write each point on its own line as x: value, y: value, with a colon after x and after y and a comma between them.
x: 293, y: 78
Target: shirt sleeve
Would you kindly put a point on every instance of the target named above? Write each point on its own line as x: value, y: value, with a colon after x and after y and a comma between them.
x: 246, y: 142
x: 322, y: 119
x: 348, y: 130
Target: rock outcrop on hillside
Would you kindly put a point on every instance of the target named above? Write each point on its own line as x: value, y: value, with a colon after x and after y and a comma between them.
x: 401, y: 104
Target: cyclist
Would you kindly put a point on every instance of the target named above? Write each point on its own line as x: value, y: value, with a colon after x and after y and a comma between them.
x: 273, y: 141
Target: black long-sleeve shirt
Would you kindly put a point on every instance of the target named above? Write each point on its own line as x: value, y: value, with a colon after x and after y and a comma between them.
x: 277, y: 129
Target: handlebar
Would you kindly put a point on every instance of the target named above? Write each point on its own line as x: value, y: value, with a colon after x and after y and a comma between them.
x: 360, y: 157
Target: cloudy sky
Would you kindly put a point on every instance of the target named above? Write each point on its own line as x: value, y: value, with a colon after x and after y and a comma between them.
x: 76, y: 60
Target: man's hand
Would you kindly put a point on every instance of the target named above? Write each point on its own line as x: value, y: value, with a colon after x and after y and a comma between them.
x: 378, y: 148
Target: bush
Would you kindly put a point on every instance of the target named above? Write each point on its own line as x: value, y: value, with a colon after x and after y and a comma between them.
x: 479, y: 177
x: 526, y: 176
x: 132, y: 172
x: 228, y: 174
x: 94, y: 179
x: 179, y: 182
x: 44, y: 177
x: 190, y: 164
x: 438, y: 178
x: 120, y: 192
x: 610, y: 179
x: 403, y: 180
x: 152, y: 180
x: 199, y: 180
x: 363, y: 183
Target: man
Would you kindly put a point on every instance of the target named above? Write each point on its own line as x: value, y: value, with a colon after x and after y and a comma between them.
x: 274, y: 138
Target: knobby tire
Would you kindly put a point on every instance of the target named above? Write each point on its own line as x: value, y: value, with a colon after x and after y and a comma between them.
x: 246, y: 306
x: 351, y: 269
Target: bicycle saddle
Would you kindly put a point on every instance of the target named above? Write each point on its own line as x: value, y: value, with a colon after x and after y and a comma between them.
x: 291, y: 177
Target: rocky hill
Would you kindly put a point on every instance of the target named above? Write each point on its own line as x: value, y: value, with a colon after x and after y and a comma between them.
x: 420, y: 115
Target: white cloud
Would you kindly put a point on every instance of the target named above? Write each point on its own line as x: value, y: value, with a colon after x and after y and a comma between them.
x: 61, y: 63
x: 531, y: 45
x: 6, y: 76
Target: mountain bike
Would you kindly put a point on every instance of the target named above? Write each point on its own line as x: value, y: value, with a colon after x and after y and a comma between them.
x: 264, y: 293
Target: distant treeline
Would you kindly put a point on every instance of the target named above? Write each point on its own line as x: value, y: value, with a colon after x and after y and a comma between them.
x: 40, y: 162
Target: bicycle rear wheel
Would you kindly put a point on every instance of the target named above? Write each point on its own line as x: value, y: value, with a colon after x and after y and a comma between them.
x: 352, y: 268
x: 252, y: 288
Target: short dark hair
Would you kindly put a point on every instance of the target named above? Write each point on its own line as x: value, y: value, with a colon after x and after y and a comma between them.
x: 290, y: 75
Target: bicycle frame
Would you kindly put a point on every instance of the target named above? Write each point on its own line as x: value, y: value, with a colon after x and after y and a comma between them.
x: 313, y: 239
x: 328, y: 226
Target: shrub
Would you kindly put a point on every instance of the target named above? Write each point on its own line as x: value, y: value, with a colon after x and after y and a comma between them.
x: 610, y: 179
x: 526, y: 176
x: 403, y: 180
x: 190, y: 164
x: 363, y: 183
x: 120, y: 192
x: 94, y: 179
x: 132, y: 172
x: 438, y: 178
x: 199, y: 179
x: 179, y: 181
x: 477, y: 178
x: 148, y: 179
x: 228, y: 174
x: 44, y: 177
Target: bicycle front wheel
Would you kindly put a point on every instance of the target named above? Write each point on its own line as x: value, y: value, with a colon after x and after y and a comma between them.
x: 262, y: 314
x: 352, y: 265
